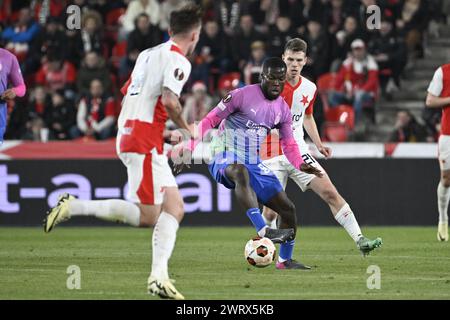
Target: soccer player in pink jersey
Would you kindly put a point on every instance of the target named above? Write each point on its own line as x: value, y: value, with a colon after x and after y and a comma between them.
x: 9, y: 73
x: 245, y: 116
x: 300, y: 94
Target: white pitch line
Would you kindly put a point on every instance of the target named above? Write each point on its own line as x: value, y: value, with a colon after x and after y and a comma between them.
x: 374, y: 256
x: 63, y: 269
x: 313, y: 293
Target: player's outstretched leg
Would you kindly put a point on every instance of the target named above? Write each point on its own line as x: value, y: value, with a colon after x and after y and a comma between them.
x: 246, y: 196
x: 163, y: 243
x: 442, y: 234
x: 343, y: 214
x: 58, y: 213
x: 287, y: 219
x: 111, y: 210
x: 347, y: 219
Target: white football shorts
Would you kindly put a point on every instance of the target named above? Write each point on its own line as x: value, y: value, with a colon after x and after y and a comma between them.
x: 444, y: 152
x: 148, y: 176
x: 283, y: 169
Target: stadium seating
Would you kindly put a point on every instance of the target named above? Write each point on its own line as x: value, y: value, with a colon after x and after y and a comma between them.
x: 325, y: 84
x: 339, y: 123
x: 334, y: 132
x: 113, y: 23
x: 229, y: 81
x: 342, y: 114
x: 113, y: 17
x: 118, y: 52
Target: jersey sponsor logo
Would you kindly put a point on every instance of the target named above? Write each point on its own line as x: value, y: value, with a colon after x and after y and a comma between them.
x: 178, y: 74
x: 257, y: 129
x: 297, y: 117
x: 253, y: 110
x: 227, y: 98
x: 253, y: 125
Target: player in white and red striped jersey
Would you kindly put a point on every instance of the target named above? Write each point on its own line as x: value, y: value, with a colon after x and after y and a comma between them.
x: 439, y: 97
x: 300, y: 94
x: 151, y: 97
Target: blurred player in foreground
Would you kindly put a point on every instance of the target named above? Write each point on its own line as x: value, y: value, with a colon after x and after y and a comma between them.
x: 9, y: 72
x: 300, y: 94
x: 150, y: 97
x: 439, y: 97
x: 246, y: 116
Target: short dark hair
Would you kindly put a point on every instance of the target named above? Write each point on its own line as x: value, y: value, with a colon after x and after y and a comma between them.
x: 273, y: 62
x: 296, y: 45
x: 185, y: 18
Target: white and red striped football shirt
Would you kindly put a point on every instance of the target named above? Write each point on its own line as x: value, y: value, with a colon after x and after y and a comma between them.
x: 143, y: 117
x: 300, y: 100
x: 440, y: 87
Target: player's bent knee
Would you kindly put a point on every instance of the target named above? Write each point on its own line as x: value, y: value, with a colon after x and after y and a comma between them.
x: 289, y: 217
x: 287, y: 211
x: 330, y: 195
x: 175, y: 208
x: 177, y: 214
x: 173, y: 203
x: 445, y: 180
x: 290, y: 207
x: 149, y: 215
x: 146, y: 221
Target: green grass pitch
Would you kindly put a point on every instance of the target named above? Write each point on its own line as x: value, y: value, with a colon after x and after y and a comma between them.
x: 208, y: 263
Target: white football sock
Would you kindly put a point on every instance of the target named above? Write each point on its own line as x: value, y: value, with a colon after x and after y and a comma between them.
x: 443, y: 194
x: 164, y: 236
x: 262, y: 232
x: 271, y: 224
x: 347, y: 219
x: 110, y: 210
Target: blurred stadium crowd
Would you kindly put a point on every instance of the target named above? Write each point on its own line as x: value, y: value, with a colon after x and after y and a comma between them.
x: 74, y: 76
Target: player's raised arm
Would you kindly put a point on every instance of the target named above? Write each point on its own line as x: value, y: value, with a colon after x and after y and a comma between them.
x: 228, y: 105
